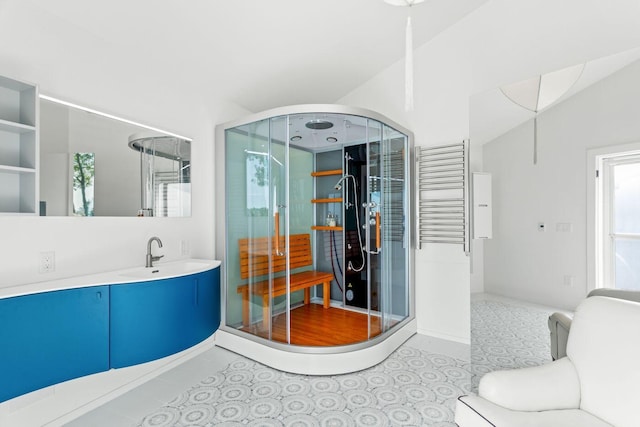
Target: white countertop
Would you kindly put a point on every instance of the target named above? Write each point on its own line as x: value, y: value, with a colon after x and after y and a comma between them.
x: 160, y: 271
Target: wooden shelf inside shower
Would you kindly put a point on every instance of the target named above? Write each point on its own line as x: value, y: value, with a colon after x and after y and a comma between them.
x: 327, y: 172
x: 326, y: 228
x: 331, y: 172
x: 334, y: 200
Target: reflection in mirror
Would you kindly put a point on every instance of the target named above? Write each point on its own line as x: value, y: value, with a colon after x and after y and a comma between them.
x: 165, y: 174
x: 84, y: 169
x: 93, y: 164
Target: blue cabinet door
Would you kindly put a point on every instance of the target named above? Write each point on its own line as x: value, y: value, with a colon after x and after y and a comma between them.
x: 52, y: 337
x: 154, y: 319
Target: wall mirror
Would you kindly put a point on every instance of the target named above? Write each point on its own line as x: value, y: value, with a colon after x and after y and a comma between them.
x: 97, y: 165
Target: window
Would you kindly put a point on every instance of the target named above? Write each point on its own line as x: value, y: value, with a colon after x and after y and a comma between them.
x: 618, y: 220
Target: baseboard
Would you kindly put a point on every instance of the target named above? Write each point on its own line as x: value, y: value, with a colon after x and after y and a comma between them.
x: 439, y: 335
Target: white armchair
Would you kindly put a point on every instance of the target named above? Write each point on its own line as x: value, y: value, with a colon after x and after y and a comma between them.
x: 597, y: 384
x: 560, y: 323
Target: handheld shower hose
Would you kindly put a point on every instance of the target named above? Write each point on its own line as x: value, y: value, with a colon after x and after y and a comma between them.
x: 338, y: 187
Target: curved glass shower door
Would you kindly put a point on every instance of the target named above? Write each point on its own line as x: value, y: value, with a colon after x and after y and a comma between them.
x: 316, y: 237
x: 256, y: 197
x: 265, y: 181
x: 387, y: 233
x: 393, y: 233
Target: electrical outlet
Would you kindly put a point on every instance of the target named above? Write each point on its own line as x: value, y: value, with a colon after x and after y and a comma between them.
x: 570, y: 281
x: 47, y: 262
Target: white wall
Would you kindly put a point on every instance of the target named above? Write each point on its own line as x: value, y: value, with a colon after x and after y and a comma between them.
x: 520, y: 261
x: 99, y: 76
x: 440, y: 117
x: 503, y: 41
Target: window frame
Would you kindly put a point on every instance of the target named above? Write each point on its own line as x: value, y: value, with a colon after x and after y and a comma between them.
x: 601, y: 237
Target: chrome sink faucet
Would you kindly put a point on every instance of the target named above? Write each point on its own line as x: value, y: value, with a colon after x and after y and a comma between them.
x: 151, y: 258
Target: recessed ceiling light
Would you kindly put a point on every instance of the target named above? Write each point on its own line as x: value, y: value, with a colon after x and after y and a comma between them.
x: 332, y: 139
x: 295, y: 138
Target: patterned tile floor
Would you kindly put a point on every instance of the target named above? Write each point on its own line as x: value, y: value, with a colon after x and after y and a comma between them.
x: 415, y: 386
x: 411, y: 388
x: 507, y: 335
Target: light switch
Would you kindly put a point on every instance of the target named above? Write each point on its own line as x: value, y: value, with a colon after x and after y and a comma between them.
x: 564, y: 227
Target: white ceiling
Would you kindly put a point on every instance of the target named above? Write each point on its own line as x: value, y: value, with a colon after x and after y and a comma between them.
x: 259, y: 54
x: 492, y: 114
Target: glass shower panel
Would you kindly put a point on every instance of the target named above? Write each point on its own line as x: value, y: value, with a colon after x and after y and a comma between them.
x: 290, y: 193
x: 250, y: 206
x: 277, y: 314
x: 394, y: 236
x: 387, y: 237
x: 372, y: 224
x: 300, y: 220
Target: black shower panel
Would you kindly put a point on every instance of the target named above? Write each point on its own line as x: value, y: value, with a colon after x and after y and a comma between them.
x: 356, y: 275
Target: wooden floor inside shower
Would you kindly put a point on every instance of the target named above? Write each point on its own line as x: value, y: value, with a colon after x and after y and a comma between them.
x: 313, y: 325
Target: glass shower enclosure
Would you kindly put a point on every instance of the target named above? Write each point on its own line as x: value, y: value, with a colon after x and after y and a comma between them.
x: 315, y: 236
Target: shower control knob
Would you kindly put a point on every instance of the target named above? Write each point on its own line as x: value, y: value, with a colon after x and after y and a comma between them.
x: 372, y: 221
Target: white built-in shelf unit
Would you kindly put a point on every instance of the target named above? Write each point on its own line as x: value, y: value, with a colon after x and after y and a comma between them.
x: 18, y: 147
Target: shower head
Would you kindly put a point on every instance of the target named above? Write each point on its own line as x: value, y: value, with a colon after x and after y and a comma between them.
x: 338, y: 185
x: 319, y: 124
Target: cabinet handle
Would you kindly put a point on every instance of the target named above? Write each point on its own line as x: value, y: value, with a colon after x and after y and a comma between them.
x: 195, y: 292
x: 98, y: 295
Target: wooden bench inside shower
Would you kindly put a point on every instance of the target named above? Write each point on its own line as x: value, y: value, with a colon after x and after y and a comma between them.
x: 254, y: 262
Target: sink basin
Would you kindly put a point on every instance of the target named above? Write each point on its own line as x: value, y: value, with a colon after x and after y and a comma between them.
x: 171, y: 269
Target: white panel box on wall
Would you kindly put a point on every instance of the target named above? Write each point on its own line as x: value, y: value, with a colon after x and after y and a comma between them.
x: 482, y: 206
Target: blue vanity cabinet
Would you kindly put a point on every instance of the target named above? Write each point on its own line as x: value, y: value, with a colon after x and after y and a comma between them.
x: 51, y: 337
x: 154, y: 319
